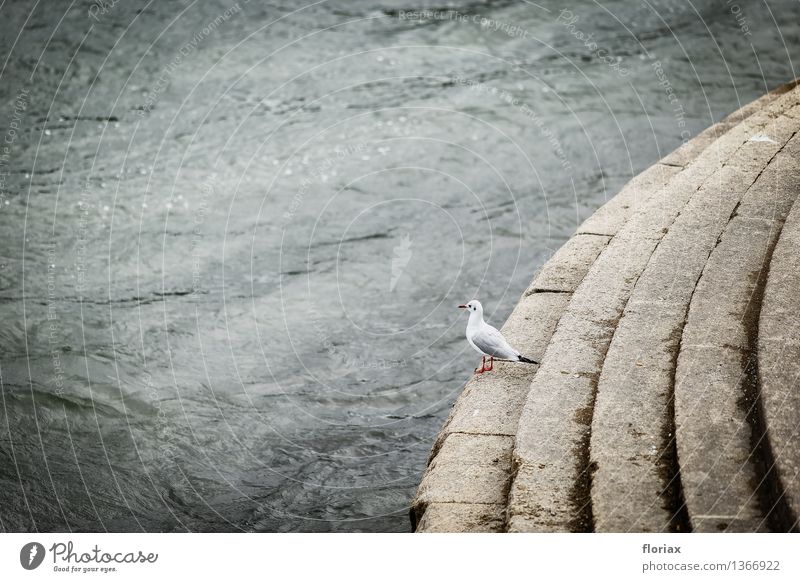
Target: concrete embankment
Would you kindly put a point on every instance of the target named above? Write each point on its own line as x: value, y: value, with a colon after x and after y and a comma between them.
x: 668, y: 331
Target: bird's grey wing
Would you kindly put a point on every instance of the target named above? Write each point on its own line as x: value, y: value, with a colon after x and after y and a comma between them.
x: 492, y: 343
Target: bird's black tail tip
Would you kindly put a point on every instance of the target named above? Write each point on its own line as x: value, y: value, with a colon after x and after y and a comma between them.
x: 527, y: 360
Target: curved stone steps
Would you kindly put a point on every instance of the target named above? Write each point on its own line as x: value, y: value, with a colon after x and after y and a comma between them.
x: 632, y: 416
x: 550, y: 491
x: 779, y: 368
x: 715, y: 385
x: 465, y: 485
x: 470, y: 470
x: 610, y: 217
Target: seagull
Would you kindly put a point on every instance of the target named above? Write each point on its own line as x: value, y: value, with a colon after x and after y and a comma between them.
x: 487, y: 341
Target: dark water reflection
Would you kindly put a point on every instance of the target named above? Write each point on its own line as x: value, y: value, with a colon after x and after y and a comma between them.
x: 234, y: 234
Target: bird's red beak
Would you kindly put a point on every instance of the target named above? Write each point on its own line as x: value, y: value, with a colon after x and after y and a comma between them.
x: 462, y: 306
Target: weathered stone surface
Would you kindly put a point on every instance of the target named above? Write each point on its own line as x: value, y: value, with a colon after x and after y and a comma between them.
x: 610, y: 217
x: 637, y: 374
x: 568, y: 266
x: 551, y: 439
x: 463, y: 517
x: 747, y: 110
x: 780, y: 398
x: 713, y: 400
x: 469, y: 468
x: 721, y: 324
x: 631, y: 432
x: 545, y: 495
x: 692, y: 148
x: 776, y: 188
x: 728, y: 290
x: 779, y: 362
x: 606, y: 316
x: 714, y: 449
x: 492, y: 402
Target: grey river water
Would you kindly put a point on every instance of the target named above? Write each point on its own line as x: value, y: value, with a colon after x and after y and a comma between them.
x: 233, y: 235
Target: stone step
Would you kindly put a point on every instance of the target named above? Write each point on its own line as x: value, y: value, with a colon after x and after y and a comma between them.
x: 491, y: 404
x: 715, y: 383
x: 610, y: 217
x: 550, y: 490
x: 633, y: 418
x: 779, y: 366
x: 488, y: 408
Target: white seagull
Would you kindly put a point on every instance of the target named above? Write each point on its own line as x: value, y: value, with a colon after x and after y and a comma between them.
x: 487, y: 341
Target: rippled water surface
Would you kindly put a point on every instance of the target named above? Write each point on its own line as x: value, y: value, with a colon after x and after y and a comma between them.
x: 233, y: 235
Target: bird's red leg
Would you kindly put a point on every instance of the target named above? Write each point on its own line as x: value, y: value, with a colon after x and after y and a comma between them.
x: 483, y: 366
x: 491, y: 364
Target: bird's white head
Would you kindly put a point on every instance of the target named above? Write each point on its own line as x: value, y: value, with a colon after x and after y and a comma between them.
x: 474, y: 307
